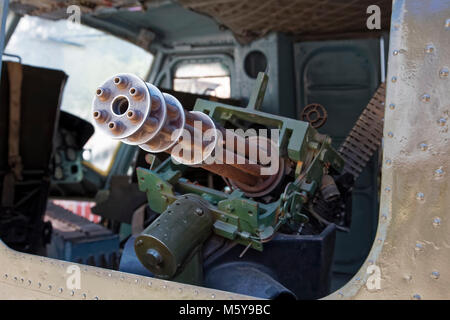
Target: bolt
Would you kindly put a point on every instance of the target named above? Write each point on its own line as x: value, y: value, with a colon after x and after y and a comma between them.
x: 154, y: 258
x: 139, y: 242
x: 199, y: 211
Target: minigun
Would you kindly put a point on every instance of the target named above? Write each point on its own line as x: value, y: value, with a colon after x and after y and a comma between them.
x: 274, y: 171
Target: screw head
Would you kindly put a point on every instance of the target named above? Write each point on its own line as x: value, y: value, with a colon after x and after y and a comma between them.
x: 154, y: 258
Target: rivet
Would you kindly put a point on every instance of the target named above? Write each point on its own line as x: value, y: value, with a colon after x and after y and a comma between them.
x: 380, y: 241
x: 164, y: 286
x: 423, y: 146
x: 39, y: 284
x: 72, y: 293
x: 95, y: 298
x: 417, y: 296
x: 447, y: 24
x: 5, y: 276
x: 384, y: 216
x: 394, y: 79
x: 388, y: 162
x: 213, y: 296
x: 425, y: 97
x: 387, y: 189
x: 149, y: 283
x: 395, y: 52
x: 418, y: 246
x: 49, y: 287
x: 15, y: 278
x: 390, y: 134
x: 443, y: 73
x: 196, y: 292
x: 60, y: 290
x: 429, y: 48
x: 84, y: 295
x: 180, y: 290
x: 420, y: 196
x: 29, y: 282
x: 136, y: 280
x: 392, y: 106
x: 340, y: 294
x: 435, y: 274
x: 436, y: 221
x: 442, y: 122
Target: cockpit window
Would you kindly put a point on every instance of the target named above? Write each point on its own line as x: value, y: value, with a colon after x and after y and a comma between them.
x: 203, y: 78
x: 88, y: 56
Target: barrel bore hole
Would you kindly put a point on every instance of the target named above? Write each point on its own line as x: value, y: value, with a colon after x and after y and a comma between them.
x: 96, y: 114
x: 132, y: 91
x: 116, y: 80
x: 111, y: 125
x: 99, y: 92
x: 120, y: 105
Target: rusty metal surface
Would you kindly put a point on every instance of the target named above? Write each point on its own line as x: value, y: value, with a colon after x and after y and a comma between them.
x: 412, y: 245
x: 365, y: 137
x: 248, y: 19
x: 302, y: 18
x: 315, y: 114
x: 25, y: 276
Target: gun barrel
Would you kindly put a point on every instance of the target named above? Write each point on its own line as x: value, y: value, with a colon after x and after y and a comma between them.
x: 136, y: 112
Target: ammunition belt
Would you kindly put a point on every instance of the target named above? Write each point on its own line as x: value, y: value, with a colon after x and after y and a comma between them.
x: 365, y: 137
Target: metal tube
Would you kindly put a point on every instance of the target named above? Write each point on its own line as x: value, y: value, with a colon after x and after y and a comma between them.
x: 135, y: 112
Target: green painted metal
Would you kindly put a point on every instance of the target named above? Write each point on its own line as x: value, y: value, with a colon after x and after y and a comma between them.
x: 344, y: 89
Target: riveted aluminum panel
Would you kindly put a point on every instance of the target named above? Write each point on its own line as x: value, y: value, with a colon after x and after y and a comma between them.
x: 412, y: 245
x: 25, y: 276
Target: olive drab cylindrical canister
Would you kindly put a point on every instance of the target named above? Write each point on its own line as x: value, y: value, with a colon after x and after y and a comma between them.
x: 165, y: 245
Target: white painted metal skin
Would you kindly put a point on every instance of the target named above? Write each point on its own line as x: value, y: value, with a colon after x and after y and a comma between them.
x: 412, y: 246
